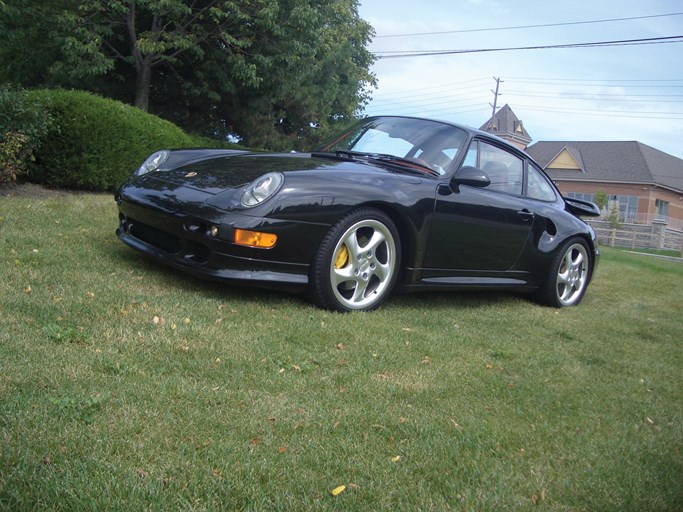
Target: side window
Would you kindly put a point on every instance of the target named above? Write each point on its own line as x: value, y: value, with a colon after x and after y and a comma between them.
x: 538, y: 186
x: 504, y: 169
x: 471, y: 156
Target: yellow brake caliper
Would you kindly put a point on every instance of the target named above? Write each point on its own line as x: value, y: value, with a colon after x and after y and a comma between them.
x: 342, y: 257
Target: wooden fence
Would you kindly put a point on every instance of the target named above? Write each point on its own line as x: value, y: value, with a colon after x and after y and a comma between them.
x: 639, y: 236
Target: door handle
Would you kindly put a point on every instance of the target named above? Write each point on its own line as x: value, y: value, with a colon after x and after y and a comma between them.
x: 525, y: 214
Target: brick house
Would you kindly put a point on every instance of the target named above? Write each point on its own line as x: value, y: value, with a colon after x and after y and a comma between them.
x: 645, y: 184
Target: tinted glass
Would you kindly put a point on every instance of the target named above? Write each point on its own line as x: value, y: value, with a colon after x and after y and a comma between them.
x: 538, y: 186
x: 505, y: 170
x: 435, y: 143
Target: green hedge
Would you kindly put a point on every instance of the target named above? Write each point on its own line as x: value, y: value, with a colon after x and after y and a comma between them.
x: 96, y: 143
x: 23, y: 123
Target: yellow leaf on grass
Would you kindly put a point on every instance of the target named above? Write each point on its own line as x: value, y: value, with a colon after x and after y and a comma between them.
x: 338, y: 490
x: 396, y: 459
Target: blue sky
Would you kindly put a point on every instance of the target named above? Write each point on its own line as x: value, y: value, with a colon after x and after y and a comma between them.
x: 606, y: 93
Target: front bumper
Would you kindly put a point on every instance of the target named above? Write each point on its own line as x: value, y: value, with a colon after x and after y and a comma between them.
x: 201, y: 242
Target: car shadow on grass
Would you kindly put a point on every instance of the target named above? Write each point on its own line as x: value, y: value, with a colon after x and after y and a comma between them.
x: 187, y: 283
x: 126, y: 258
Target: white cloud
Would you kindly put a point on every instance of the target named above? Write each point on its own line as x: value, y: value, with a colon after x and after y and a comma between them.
x: 615, y: 93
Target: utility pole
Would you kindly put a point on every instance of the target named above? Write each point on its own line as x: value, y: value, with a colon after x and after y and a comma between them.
x: 495, y: 96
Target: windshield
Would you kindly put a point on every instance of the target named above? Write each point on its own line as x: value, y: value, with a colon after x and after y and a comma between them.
x: 425, y: 142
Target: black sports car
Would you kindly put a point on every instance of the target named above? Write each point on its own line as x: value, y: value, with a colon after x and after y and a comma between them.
x: 394, y: 203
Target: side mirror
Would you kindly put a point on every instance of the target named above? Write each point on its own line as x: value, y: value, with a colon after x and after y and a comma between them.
x: 579, y: 207
x: 470, y: 176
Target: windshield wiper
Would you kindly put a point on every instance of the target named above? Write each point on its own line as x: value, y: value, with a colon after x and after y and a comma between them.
x: 404, y: 163
x: 407, y: 162
x: 340, y: 154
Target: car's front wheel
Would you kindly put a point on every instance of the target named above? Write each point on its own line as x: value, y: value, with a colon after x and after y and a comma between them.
x: 356, y: 265
x: 568, y: 276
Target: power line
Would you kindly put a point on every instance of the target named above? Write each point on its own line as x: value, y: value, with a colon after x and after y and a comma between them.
x: 458, y: 98
x: 602, y: 83
x: 623, y: 42
x: 451, y: 87
x: 594, y: 97
x: 610, y: 20
x: 453, y: 93
x: 530, y: 79
x: 604, y: 113
x: 432, y: 95
x: 478, y: 83
x: 483, y: 108
x: 453, y: 103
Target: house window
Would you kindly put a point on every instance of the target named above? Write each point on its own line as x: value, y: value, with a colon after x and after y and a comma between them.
x: 628, y: 207
x: 662, y: 209
x: 581, y: 196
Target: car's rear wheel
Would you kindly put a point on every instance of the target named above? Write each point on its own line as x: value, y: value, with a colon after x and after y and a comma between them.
x: 356, y: 265
x: 568, y: 276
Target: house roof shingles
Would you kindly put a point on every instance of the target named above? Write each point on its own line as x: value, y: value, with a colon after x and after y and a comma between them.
x: 506, y: 124
x: 617, y: 162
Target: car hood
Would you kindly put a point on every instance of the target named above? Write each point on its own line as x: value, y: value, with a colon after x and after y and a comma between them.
x: 216, y: 175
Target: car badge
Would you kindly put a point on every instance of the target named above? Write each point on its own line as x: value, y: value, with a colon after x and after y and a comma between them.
x: 191, y: 174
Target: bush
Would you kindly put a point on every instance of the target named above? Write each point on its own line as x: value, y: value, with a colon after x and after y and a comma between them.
x: 95, y: 143
x: 23, y: 122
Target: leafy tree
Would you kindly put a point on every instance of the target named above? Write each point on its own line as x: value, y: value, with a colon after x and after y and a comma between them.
x: 614, y: 216
x: 601, y: 199
x: 265, y: 69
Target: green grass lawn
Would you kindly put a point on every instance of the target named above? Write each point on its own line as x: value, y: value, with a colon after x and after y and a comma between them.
x: 127, y: 386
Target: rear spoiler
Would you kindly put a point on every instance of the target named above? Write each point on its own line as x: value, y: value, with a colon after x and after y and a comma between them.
x: 583, y: 208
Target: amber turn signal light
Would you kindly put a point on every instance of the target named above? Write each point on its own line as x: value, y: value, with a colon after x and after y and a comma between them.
x: 255, y: 238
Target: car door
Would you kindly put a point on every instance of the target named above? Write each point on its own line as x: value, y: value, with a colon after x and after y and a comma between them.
x: 480, y: 228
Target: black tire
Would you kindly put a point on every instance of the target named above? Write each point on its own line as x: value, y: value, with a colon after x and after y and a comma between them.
x: 356, y: 265
x: 568, y: 275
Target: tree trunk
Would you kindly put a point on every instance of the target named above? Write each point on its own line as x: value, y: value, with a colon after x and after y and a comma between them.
x: 143, y: 84
x: 143, y: 63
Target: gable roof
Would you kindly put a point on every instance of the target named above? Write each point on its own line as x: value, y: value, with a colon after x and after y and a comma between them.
x: 615, y: 162
x: 567, y: 159
x: 506, y: 125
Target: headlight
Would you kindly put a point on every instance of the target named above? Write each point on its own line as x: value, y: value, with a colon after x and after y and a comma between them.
x: 261, y: 189
x: 153, y: 162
